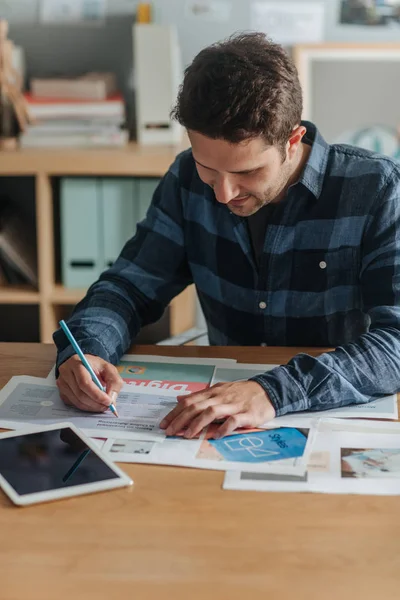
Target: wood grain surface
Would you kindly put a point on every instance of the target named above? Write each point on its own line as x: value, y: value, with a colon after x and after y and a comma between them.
x: 177, y: 535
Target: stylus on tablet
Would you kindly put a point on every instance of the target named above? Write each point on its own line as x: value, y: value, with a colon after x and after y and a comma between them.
x: 76, y: 464
x: 79, y: 352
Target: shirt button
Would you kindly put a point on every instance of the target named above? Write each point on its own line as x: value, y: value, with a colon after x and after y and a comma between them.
x: 322, y: 264
x: 263, y: 305
x: 263, y: 344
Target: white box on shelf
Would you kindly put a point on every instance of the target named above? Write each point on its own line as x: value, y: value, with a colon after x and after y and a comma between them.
x: 158, y: 73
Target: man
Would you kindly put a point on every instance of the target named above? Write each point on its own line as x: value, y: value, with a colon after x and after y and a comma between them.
x: 289, y: 241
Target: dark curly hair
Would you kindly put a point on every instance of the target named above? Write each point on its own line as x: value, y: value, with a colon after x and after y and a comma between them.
x: 241, y: 88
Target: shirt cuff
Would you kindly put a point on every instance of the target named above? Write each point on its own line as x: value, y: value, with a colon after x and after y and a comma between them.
x: 88, y: 346
x: 283, y: 390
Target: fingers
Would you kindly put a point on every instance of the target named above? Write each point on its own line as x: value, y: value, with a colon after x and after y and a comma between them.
x: 181, y: 415
x: 65, y: 392
x: 210, y: 414
x: 200, y: 395
x: 78, y: 389
x: 232, y: 423
x: 70, y: 398
x: 189, y: 409
x: 184, y: 402
x: 113, y: 381
x: 87, y: 391
x: 244, y: 402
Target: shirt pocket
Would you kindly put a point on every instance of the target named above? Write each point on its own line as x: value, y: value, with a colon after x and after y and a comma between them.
x: 320, y: 270
x: 342, y: 267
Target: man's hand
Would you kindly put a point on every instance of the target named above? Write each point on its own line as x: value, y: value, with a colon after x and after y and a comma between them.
x: 241, y: 403
x: 77, y: 388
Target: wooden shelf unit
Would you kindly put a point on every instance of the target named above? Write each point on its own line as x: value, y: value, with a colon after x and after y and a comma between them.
x: 18, y: 294
x: 44, y: 164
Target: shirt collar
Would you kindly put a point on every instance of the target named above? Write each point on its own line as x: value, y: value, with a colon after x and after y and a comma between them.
x: 314, y: 171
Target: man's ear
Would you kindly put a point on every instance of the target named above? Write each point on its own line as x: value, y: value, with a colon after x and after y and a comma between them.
x: 295, y: 139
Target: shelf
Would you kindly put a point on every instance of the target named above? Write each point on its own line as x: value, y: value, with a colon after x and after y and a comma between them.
x: 45, y: 164
x: 13, y: 294
x: 183, y: 310
x: 63, y: 295
x: 130, y: 161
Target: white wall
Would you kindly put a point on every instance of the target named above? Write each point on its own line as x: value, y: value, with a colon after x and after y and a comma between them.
x: 73, y: 49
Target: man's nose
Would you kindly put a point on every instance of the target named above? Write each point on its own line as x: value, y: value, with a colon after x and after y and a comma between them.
x: 225, y: 190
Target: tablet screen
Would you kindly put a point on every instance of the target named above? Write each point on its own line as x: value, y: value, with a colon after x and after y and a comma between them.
x: 50, y: 460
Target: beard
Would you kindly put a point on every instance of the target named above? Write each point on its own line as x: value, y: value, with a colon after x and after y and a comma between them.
x: 273, y: 195
x: 254, y: 203
x: 249, y: 207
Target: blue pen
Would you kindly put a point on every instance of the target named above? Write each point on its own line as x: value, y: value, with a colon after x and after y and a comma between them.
x: 79, y: 352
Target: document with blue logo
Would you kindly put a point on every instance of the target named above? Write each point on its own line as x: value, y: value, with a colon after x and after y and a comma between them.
x: 280, y: 450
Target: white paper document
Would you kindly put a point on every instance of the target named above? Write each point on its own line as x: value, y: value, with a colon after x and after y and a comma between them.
x: 281, y: 450
x: 382, y: 408
x: 31, y: 400
x: 364, y: 459
x: 289, y: 22
x: 238, y: 372
x: 347, y: 457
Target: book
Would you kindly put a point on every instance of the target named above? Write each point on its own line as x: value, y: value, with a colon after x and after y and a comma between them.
x: 45, y: 108
x: 68, y: 126
x: 92, y: 86
x: 117, y: 138
x: 17, y: 248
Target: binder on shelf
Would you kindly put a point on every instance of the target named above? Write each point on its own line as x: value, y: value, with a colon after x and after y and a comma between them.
x: 98, y: 216
x: 117, y: 202
x: 80, y: 232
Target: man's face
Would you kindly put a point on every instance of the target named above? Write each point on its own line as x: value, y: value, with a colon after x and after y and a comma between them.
x: 245, y: 176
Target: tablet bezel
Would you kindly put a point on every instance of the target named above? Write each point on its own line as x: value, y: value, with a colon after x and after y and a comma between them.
x: 122, y: 480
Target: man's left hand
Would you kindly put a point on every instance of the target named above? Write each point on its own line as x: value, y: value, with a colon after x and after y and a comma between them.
x: 241, y: 404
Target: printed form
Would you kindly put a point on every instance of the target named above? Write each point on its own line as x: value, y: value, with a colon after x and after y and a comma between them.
x: 31, y: 400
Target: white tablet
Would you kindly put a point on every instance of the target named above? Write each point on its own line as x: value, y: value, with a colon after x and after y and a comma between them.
x: 47, y: 463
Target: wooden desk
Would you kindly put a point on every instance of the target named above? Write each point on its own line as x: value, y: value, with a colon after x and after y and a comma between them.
x: 177, y: 535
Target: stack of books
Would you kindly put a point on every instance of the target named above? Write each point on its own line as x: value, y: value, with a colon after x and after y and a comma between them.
x: 82, y: 112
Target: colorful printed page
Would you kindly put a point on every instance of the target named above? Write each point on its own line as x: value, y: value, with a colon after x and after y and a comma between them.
x: 153, y: 358
x: 282, y: 450
x: 181, y: 378
x: 256, y: 447
x: 347, y: 457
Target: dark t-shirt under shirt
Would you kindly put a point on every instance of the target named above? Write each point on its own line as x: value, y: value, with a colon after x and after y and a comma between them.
x: 257, y: 225
x: 258, y: 222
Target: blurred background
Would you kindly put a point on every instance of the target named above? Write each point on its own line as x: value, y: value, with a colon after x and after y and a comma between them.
x: 86, y: 90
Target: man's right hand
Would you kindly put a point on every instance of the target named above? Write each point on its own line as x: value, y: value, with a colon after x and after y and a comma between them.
x: 78, y: 389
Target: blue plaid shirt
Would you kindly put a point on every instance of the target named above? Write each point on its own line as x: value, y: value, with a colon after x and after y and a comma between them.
x: 329, y: 276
